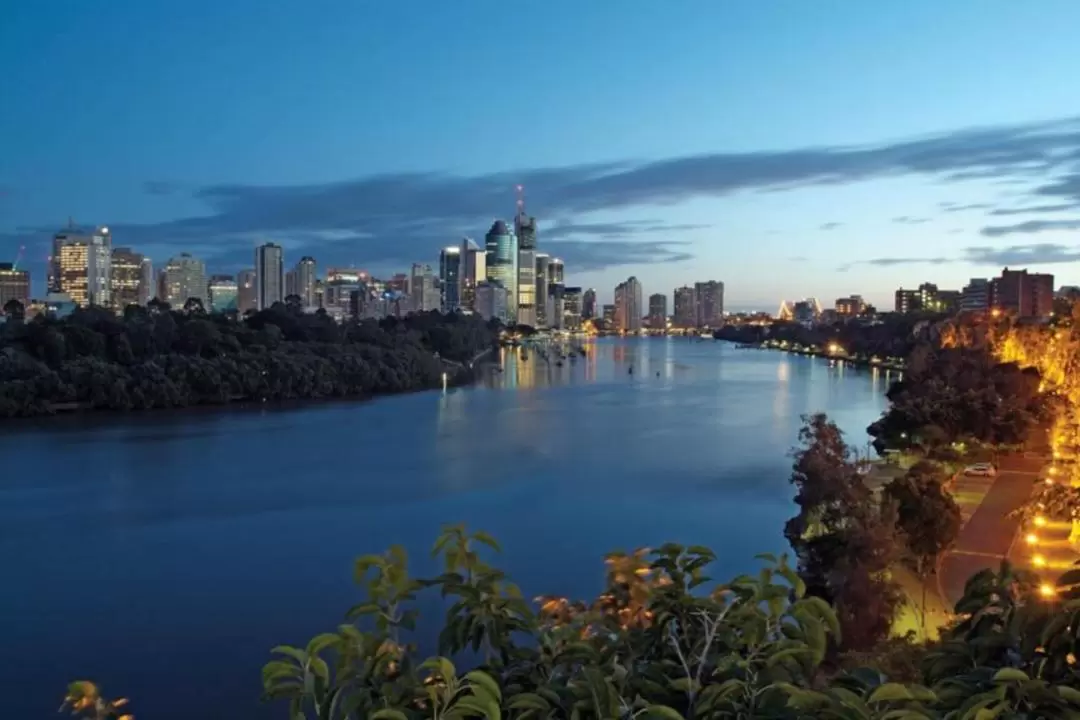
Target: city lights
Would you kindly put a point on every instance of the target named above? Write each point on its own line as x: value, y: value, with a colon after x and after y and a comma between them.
x: 1032, y: 539
x: 1040, y: 521
x: 1047, y: 590
x: 1038, y: 561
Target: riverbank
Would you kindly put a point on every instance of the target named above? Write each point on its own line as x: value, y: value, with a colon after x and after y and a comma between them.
x: 896, y: 364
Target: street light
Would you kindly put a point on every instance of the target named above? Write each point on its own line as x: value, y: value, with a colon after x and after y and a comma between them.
x: 1047, y: 590
x: 1032, y: 539
x: 1040, y: 521
x: 1039, y: 561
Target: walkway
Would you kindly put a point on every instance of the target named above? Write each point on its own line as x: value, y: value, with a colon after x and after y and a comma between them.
x: 985, y: 540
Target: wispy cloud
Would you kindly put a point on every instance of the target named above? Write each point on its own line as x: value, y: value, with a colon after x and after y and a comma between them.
x: 1031, y: 226
x: 396, y: 218
x: 1057, y: 207
x: 830, y: 225
x: 908, y: 220
x: 1035, y: 254
x: 953, y: 207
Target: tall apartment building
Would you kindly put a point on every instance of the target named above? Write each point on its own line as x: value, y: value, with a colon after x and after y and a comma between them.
x: 81, y: 266
x: 131, y: 278
x: 450, y: 278
x: 502, y: 262
x: 975, y: 296
x: 185, y: 279
x: 850, y: 306
x: 709, y: 303
x: 247, y: 296
x: 424, y: 289
x: 658, y: 311
x: 493, y: 301
x: 571, y: 302
x: 14, y: 285
x: 223, y: 293
x: 304, y: 281
x: 685, y: 315
x: 543, y: 302
x: 269, y: 275
x: 628, y: 305
x: 528, y: 295
x: 588, y: 304
x: 1023, y: 294
x: 473, y: 272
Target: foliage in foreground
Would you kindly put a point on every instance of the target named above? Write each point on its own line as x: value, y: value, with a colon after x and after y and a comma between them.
x: 664, y: 641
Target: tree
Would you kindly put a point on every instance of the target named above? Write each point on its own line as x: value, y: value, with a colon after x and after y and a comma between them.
x: 844, y: 540
x: 928, y: 518
x: 294, y: 303
x: 194, y: 306
x: 15, y: 310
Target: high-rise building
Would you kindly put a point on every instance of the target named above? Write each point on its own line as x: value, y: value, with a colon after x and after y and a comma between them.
x: 528, y: 295
x: 927, y: 297
x: 850, y: 306
x: 502, y: 259
x: 658, y: 311
x: 1023, y: 294
x: 905, y: 301
x: 493, y: 301
x: 685, y: 307
x: 555, y: 291
x: 450, y: 278
x: 609, y: 315
x: 543, y: 302
x: 628, y: 305
x: 83, y: 265
x: 131, y: 277
x: 185, y: 279
x: 709, y: 303
x: 304, y: 281
x: 247, y: 294
x: 424, y: 289
x: 14, y: 285
x: 269, y: 275
x: 473, y: 272
x: 975, y: 296
x: 223, y: 294
x: 588, y: 304
x: 571, y: 301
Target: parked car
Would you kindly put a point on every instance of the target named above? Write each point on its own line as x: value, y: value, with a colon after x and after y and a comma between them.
x: 980, y: 470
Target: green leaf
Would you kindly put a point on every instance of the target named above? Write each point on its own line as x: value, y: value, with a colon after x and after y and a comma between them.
x: 890, y: 692
x: 485, y: 681
x: 388, y: 714
x: 528, y: 701
x: 1010, y: 675
x: 321, y: 642
x: 663, y: 711
x: 1070, y: 694
x: 482, y: 537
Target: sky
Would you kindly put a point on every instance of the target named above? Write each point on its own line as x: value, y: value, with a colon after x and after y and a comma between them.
x: 787, y: 148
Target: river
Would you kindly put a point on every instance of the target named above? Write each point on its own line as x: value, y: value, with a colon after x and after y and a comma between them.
x: 163, y: 554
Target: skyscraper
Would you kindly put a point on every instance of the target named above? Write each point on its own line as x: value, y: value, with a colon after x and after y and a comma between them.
x: 424, y: 289
x: 246, y: 292
x: 222, y: 293
x: 304, y: 281
x: 543, y: 303
x: 572, y: 299
x: 473, y: 272
x: 269, y: 275
x: 528, y: 297
x: 685, y: 307
x: 658, y: 311
x: 14, y: 285
x: 131, y: 278
x: 450, y: 278
x: 709, y: 302
x: 185, y: 279
x: 628, y: 305
x: 588, y: 304
x: 82, y: 265
x: 502, y: 260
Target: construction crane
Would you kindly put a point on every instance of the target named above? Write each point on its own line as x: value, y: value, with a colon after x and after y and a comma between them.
x: 18, y: 257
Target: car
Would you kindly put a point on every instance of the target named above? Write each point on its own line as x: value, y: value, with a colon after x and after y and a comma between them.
x: 980, y: 470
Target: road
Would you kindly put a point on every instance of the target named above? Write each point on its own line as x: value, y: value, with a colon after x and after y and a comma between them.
x: 986, y: 538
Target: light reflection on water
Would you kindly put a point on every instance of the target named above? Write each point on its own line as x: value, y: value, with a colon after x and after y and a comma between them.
x: 156, y: 536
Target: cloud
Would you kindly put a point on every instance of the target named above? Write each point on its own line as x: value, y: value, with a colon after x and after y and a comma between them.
x: 1031, y: 226
x: 830, y: 225
x: 908, y: 220
x: 1035, y: 254
x: 953, y: 207
x: 1058, y: 207
x: 396, y: 218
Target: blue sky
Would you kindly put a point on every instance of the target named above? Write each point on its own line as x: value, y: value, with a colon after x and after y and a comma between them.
x: 788, y: 148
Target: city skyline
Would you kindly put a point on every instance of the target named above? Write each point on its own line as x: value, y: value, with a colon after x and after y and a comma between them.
x: 899, y: 164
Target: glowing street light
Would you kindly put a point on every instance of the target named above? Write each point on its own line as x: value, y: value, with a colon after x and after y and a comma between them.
x: 1040, y: 521
x: 1038, y: 561
x: 1032, y: 539
x: 1047, y: 590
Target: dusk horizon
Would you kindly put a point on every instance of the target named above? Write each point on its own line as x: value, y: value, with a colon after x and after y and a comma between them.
x: 787, y: 152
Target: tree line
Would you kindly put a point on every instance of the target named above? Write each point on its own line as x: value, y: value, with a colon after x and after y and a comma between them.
x: 160, y: 357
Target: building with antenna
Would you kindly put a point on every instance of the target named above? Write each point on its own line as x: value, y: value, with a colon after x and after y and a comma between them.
x: 528, y: 292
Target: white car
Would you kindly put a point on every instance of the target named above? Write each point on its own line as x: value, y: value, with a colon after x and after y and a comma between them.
x: 980, y: 470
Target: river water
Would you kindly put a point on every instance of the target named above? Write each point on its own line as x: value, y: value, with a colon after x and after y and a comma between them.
x: 162, y: 555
